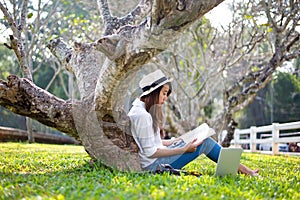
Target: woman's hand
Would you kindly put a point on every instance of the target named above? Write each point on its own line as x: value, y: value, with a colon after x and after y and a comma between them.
x: 192, y: 146
x: 176, y: 140
x: 171, y: 141
x: 188, y: 148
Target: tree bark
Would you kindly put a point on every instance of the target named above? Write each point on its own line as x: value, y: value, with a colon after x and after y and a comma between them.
x: 100, y: 69
x: 22, y: 97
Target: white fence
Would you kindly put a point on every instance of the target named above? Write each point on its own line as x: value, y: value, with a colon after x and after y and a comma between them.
x: 249, y: 136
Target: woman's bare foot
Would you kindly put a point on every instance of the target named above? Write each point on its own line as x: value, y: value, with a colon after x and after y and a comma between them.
x: 254, y: 172
x: 245, y: 170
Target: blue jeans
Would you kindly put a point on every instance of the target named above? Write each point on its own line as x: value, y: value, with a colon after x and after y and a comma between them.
x: 209, y: 147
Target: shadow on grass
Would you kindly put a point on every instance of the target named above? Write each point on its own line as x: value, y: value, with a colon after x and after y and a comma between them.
x: 75, y: 182
x: 88, y: 180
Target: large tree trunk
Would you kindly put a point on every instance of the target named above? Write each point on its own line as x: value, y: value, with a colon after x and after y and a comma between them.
x: 102, y: 69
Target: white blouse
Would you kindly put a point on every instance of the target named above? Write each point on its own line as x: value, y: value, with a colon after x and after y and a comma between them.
x: 143, y: 133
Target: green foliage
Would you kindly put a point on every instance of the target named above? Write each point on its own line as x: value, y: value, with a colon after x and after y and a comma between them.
x: 286, y: 102
x: 248, y: 16
x: 286, y: 107
x: 255, y: 114
x: 29, y: 15
x: 40, y: 171
x: 255, y: 69
x: 10, y: 119
x: 80, y: 21
x: 208, y: 109
x: 8, y: 64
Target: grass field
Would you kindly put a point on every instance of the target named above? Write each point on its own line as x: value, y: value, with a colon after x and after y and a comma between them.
x: 42, y: 171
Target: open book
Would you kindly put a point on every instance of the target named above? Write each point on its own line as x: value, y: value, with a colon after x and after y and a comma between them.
x: 201, y: 133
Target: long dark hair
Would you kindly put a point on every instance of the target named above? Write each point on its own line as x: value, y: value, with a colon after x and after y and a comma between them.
x: 151, y: 102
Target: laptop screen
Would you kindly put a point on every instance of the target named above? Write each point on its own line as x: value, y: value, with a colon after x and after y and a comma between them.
x: 228, y: 162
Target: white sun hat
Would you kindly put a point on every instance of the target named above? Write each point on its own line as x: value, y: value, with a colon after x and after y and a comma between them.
x: 152, y: 81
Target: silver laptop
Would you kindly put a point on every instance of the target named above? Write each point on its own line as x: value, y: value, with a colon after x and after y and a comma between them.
x: 229, y: 160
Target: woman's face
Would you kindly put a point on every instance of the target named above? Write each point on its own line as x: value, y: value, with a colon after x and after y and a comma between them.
x: 163, y: 95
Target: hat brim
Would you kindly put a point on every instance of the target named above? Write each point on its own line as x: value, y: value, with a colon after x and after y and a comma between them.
x: 154, y: 88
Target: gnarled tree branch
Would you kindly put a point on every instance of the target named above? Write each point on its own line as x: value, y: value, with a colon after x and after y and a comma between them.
x: 22, y: 97
x: 112, y: 24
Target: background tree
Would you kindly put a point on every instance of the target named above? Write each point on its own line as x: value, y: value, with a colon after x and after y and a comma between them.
x: 283, y: 44
x: 244, y: 48
x: 278, y: 102
x: 8, y: 118
x: 45, y: 21
x: 106, y: 70
x: 286, y: 92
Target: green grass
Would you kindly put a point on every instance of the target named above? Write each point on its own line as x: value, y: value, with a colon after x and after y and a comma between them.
x: 42, y: 171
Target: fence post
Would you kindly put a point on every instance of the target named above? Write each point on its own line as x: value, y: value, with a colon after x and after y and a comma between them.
x: 275, y: 137
x: 236, y: 138
x: 253, y: 139
x: 220, y: 137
